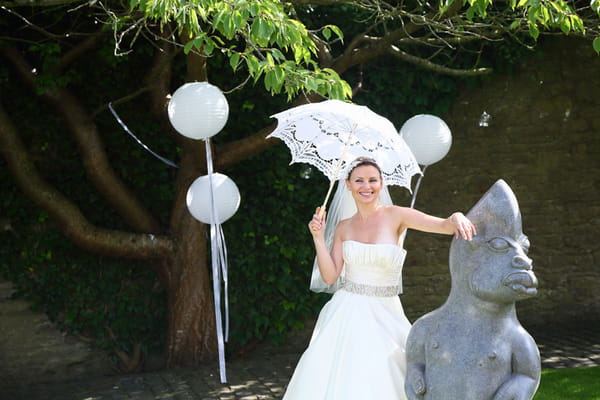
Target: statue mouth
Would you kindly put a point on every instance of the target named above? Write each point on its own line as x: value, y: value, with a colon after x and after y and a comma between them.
x: 523, y: 283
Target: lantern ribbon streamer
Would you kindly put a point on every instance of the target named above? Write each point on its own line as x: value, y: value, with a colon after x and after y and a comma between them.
x: 219, y: 268
x: 126, y: 129
x: 412, y: 201
x: 217, y: 246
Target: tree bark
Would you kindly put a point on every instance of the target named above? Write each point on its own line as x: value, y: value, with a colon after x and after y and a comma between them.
x: 92, y: 150
x: 191, y: 335
x: 68, y: 217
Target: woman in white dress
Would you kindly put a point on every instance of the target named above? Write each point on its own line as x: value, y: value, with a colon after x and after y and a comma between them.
x: 357, y: 348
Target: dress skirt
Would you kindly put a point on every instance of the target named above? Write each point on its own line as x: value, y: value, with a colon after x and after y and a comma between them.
x: 356, y: 352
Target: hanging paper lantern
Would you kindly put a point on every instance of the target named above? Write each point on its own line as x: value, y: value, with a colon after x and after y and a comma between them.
x: 198, y: 110
x: 226, y: 193
x: 428, y: 137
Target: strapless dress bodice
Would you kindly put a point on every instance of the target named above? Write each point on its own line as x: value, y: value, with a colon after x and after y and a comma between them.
x: 373, y: 269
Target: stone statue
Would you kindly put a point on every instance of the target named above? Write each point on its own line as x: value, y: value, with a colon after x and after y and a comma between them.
x: 473, y: 347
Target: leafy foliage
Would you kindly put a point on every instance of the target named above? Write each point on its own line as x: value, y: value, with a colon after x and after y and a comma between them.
x: 259, y: 34
x: 537, y: 14
x: 271, y: 252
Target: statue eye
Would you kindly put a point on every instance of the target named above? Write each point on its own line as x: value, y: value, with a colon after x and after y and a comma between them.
x: 499, y: 244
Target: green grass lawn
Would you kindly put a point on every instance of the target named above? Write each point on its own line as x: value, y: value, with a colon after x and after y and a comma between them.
x: 564, y: 384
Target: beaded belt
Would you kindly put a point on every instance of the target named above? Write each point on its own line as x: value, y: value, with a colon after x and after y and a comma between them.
x: 370, y: 290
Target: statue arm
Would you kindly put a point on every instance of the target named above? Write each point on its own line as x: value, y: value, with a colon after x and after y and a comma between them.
x: 525, y: 378
x: 415, y: 384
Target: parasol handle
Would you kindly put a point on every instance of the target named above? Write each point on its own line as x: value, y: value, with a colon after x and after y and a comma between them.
x: 322, y: 210
x: 338, y: 169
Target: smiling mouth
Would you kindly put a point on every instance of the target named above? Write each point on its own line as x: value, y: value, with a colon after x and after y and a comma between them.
x: 522, y: 283
x: 365, y: 193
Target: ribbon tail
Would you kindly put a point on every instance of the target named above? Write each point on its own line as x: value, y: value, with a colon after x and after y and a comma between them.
x: 217, y: 299
x: 223, y: 263
x: 218, y: 265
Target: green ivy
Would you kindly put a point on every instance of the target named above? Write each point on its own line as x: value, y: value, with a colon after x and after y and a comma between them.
x: 116, y: 304
x: 270, y: 249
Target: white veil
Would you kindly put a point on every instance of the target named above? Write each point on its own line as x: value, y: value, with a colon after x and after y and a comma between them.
x: 342, y: 207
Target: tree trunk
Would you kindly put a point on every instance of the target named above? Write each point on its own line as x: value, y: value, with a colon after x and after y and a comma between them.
x: 191, y: 335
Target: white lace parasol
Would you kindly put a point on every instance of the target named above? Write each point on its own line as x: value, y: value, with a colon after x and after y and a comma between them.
x: 332, y: 133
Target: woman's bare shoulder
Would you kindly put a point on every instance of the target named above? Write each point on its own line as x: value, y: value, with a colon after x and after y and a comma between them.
x: 394, y: 209
x: 342, y: 227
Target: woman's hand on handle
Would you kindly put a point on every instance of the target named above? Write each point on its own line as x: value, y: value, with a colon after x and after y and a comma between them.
x: 317, y: 224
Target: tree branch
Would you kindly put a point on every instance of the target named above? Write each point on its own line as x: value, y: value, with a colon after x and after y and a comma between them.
x: 93, y: 153
x: 68, y: 217
x: 426, y: 64
x: 364, y: 48
x: 76, y: 52
x: 35, y: 3
x: 238, y: 150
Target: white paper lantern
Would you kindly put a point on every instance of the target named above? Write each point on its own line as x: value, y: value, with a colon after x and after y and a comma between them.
x: 227, y: 198
x: 428, y: 137
x: 198, y: 110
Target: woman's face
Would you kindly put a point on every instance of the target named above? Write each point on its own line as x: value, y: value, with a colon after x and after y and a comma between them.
x: 365, y: 183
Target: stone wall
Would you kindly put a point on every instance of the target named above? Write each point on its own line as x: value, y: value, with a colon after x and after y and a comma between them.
x: 543, y: 139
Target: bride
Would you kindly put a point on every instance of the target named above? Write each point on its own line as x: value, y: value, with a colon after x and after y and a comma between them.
x: 357, y: 348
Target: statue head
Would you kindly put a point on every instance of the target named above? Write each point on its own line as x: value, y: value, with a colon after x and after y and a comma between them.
x: 494, y: 266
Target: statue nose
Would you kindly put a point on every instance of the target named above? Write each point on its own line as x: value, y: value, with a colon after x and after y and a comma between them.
x: 522, y: 262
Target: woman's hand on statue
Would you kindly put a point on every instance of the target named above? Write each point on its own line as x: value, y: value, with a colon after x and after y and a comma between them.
x: 463, y: 227
x: 317, y: 224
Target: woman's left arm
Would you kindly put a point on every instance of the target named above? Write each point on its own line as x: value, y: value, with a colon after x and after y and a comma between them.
x: 456, y: 224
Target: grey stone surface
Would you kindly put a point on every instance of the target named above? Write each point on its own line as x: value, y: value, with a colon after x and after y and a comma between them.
x: 261, y: 374
x: 264, y: 373
x: 473, y: 347
x: 27, y: 335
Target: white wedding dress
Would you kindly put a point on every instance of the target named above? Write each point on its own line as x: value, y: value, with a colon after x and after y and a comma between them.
x: 357, y: 350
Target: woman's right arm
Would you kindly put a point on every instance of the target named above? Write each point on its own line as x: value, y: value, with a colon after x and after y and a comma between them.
x: 330, y: 263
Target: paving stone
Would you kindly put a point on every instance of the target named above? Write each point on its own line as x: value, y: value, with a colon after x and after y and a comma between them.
x: 264, y: 374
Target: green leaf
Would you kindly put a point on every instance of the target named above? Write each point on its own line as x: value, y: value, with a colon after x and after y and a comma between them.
x: 326, y: 33
x: 270, y: 61
x: 311, y: 84
x: 279, y: 78
x: 534, y: 31
x: 470, y: 13
x: 253, y: 65
x: 234, y: 60
x: 596, y: 44
x: 277, y: 54
x: 516, y: 23
x: 337, y: 31
x: 545, y: 18
x: 565, y: 26
x: 209, y: 46
x: 188, y: 46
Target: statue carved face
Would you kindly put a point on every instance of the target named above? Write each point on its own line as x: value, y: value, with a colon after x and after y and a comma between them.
x: 494, y: 266
x: 503, y: 273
